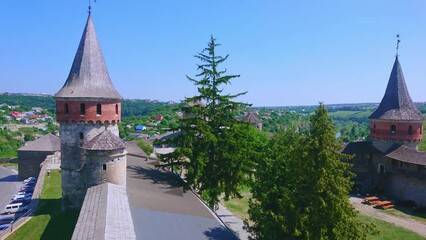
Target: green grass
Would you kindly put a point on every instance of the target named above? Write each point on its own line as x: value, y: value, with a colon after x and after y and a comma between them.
x: 388, y: 231
x: 407, y: 212
x: 49, y: 221
x: 9, y: 154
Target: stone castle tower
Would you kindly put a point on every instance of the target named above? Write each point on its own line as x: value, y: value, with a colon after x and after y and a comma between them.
x: 397, y: 119
x: 88, y: 108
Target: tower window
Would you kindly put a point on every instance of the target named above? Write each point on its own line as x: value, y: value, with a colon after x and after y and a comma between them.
x: 374, y: 128
x: 66, y: 109
x: 99, y: 109
x: 393, y: 129
x: 104, y: 167
x: 410, y: 130
x: 81, y: 135
x: 116, y: 109
x: 82, y: 109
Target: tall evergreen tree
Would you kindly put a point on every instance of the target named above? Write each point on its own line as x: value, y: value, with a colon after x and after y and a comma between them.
x: 301, y: 188
x: 214, y: 149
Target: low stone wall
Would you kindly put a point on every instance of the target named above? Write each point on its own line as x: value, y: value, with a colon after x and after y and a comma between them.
x: 403, y: 187
x: 29, y: 163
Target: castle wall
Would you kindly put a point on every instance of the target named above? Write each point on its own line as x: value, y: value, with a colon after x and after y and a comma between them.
x: 73, y: 159
x: 29, y: 163
x: 106, y: 166
x: 403, y: 187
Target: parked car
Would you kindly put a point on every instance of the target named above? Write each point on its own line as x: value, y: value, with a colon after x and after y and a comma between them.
x: 26, y: 188
x: 30, y: 179
x: 15, y: 207
x: 25, y: 192
x: 32, y: 184
x: 4, y: 226
x: 7, y: 219
x: 21, y: 196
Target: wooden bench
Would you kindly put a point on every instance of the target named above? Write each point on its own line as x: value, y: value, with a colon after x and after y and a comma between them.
x: 380, y: 204
x: 371, y: 200
x: 387, y: 207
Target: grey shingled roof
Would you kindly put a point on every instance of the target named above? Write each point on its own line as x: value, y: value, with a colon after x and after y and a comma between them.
x: 89, y: 75
x: 105, y: 140
x: 408, y: 155
x: 47, y: 143
x: 105, y: 214
x: 396, y: 103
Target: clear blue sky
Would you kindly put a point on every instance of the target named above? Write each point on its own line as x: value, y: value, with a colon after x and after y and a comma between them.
x: 287, y: 52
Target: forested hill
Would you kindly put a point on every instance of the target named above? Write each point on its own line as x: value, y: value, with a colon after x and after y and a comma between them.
x: 129, y: 108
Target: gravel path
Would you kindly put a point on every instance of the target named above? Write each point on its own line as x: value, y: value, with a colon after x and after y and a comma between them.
x: 233, y: 222
x: 406, y: 223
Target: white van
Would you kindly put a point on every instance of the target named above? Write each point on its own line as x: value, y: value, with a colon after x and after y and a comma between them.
x: 15, y: 207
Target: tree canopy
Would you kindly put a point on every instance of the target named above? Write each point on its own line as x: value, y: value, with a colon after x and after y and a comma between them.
x: 301, y: 188
x: 215, y: 149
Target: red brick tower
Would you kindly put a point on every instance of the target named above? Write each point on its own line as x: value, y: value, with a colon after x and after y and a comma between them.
x: 397, y: 119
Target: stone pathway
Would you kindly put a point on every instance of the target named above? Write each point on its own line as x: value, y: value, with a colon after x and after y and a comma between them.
x: 407, y: 223
x: 233, y: 222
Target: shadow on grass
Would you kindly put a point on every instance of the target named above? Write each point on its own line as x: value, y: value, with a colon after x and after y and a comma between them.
x: 61, y: 224
x: 411, y: 211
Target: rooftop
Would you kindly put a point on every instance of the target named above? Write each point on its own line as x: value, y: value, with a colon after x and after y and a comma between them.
x: 163, y: 210
x: 88, y: 76
x: 105, y: 140
x: 396, y: 103
x: 47, y: 143
x: 408, y: 155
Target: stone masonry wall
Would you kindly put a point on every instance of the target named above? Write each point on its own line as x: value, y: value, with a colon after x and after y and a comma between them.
x: 73, y: 159
x: 115, y: 164
x: 29, y: 163
x: 403, y: 187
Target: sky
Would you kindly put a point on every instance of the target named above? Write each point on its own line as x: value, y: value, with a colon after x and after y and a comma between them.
x: 287, y: 52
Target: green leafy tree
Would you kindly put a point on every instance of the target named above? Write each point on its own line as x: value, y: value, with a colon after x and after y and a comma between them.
x: 214, y: 148
x: 146, y: 147
x: 302, y: 186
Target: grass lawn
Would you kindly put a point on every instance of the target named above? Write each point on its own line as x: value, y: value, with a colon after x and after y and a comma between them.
x: 9, y: 164
x: 407, y: 212
x: 386, y: 230
x: 49, y: 221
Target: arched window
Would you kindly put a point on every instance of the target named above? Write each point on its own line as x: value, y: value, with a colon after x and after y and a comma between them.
x: 393, y: 129
x: 82, y: 109
x: 66, y: 109
x: 116, y: 109
x: 104, y: 167
x: 99, y: 109
x: 374, y: 128
x: 81, y: 135
x: 410, y: 129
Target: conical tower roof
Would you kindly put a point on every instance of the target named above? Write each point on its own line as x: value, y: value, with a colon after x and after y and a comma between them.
x: 89, y: 76
x: 105, y: 140
x: 397, y: 104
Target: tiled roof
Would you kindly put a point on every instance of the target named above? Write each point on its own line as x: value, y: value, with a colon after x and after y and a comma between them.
x: 88, y: 76
x: 251, y: 118
x: 360, y: 148
x: 47, y: 143
x: 105, y: 140
x: 396, y: 103
x: 408, y: 155
x: 105, y: 214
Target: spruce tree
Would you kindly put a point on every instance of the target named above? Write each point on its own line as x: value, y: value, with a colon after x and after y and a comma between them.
x: 214, y: 149
x: 302, y: 188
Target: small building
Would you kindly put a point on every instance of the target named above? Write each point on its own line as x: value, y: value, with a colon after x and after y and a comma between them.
x: 140, y: 128
x: 159, y: 117
x: 34, y: 153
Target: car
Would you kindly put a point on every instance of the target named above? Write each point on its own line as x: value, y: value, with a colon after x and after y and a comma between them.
x: 30, y: 184
x: 7, y: 219
x: 22, y: 196
x: 30, y: 179
x: 4, y: 226
x: 26, y: 188
x: 26, y: 192
x: 15, y: 207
